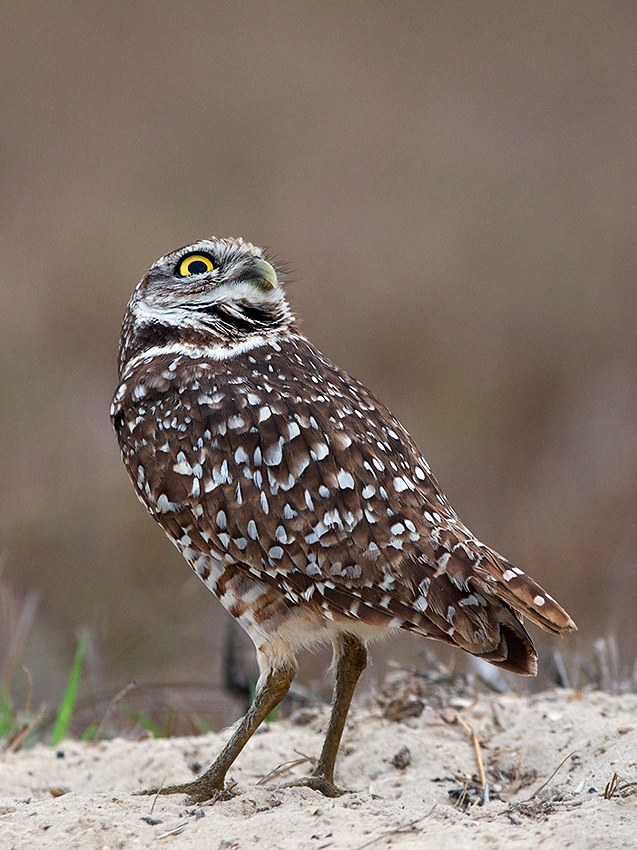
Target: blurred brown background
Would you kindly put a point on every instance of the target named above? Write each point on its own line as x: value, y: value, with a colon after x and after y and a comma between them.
x: 455, y: 188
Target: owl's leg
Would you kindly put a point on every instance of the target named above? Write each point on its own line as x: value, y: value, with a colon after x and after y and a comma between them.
x: 271, y: 688
x: 350, y: 656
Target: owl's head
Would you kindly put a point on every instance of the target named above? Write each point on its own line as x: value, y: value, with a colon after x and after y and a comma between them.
x: 219, y: 295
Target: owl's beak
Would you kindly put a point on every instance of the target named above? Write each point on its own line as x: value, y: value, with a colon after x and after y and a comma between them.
x: 264, y: 275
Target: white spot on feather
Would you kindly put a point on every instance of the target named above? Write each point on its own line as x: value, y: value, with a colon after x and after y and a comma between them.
x: 345, y: 480
x: 182, y: 467
x: 240, y: 455
x: 274, y: 453
x: 164, y: 506
x: 319, y: 451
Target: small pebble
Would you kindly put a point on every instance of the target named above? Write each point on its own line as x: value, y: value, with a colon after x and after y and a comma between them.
x: 402, y: 759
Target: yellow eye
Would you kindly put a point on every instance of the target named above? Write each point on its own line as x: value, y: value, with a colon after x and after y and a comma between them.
x: 194, y: 264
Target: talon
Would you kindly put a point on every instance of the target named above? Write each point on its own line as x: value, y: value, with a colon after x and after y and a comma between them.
x: 197, y: 792
x: 318, y: 783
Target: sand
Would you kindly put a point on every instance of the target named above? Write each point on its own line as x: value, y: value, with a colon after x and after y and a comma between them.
x: 79, y: 796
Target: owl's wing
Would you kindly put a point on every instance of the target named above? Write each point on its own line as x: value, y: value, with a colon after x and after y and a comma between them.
x: 330, y: 496
x: 314, y: 486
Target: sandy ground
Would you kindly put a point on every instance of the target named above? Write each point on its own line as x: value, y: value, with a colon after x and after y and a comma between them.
x: 80, y: 796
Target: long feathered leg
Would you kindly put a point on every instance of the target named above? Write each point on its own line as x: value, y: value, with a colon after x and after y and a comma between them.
x: 350, y: 656
x: 273, y: 685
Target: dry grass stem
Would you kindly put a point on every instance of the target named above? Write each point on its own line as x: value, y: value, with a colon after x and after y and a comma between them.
x: 544, y: 784
x: 284, y: 768
x: 14, y: 743
x: 117, y: 698
x: 176, y: 830
x: 408, y: 827
x: 618, y: 787
x: 476, y: 747
x: 163, y: 782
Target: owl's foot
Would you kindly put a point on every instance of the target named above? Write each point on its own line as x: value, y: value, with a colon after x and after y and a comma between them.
x: 211, y: 785
x: 198, y: 791
x: 318, y: 783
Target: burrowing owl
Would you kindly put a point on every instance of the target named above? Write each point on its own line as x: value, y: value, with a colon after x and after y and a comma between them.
x: 294, y: 494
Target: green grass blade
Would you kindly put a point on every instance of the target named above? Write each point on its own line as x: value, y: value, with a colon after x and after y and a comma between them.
x: 89, y: 734
x: 144, y: 721
x: 6, y: 712
x: 201, y: 726
x: 65, y: 710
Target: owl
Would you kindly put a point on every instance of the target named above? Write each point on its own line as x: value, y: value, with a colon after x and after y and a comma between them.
x: 294, y: 494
